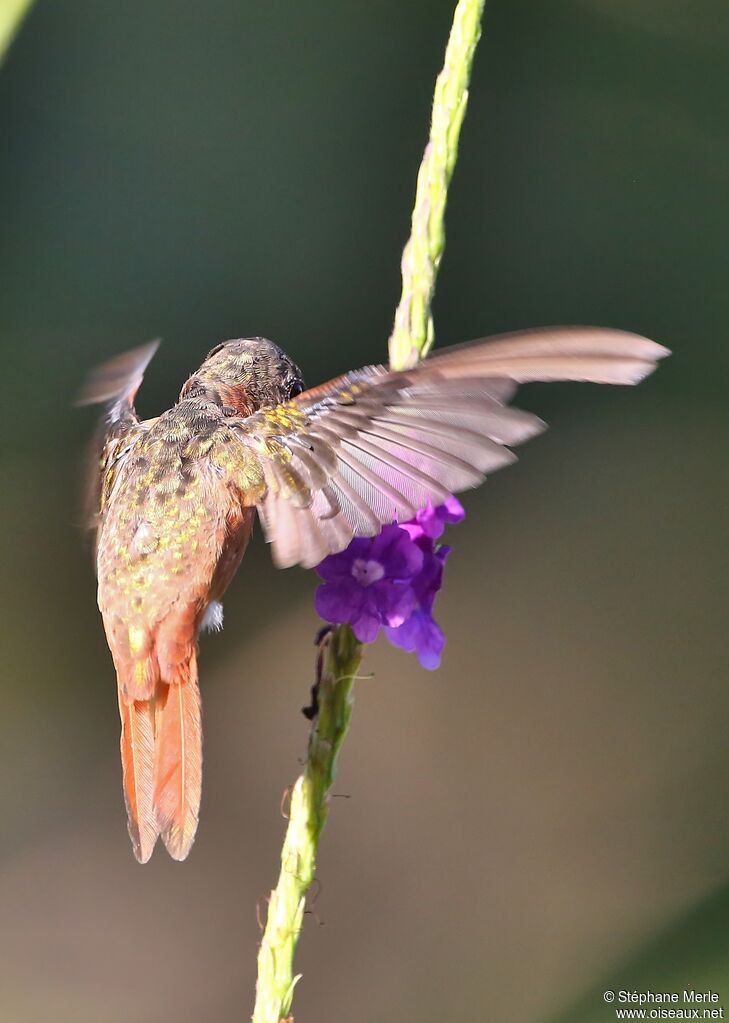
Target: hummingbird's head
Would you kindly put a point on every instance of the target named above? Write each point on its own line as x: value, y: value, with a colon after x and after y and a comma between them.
x: 245, y: 375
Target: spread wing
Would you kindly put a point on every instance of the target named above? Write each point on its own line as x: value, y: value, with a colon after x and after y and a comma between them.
x: 374, y: 446
x: 114, y: 384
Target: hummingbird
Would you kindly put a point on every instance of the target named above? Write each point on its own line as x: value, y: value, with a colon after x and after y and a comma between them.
x: 174, y: 500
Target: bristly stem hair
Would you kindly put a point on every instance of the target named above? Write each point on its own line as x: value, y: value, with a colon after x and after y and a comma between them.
x: 340, y: 654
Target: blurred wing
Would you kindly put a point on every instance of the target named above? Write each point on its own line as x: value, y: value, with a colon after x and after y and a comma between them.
x: 115, y: 384
x: 117, y: 381
x: 374, y: 446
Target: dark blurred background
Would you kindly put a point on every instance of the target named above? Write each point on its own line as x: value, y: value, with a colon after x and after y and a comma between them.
x: 544, y: 817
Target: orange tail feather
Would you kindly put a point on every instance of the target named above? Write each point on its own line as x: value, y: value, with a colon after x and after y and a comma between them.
x: 178, y: 763
x: 137, y: 754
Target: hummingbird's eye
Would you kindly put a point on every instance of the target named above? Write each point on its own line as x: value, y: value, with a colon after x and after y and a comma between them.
x: 297, y: 387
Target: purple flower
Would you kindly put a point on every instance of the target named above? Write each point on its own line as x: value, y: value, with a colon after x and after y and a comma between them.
x: 420, y: 634
x: 391, y: 581
x: 370, y: 583
x: 429, y: 579
x: 431, y: 522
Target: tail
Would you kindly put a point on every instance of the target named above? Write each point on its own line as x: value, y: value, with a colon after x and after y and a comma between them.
x: 137, y: 754
x: 178, y: 763
x: 161, y: 750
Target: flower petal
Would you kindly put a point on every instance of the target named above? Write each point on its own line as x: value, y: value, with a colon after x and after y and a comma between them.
x: 396, y: 601
x: 429, y: 580
x: 396, y: 552
x: 366, y: 627
x: 429, y: 644
x: 339, y: 566
x: 422, y: 634
x: 413, y: 528
x: 452, y: 510
x: 403, y: 635
x: 339, y: 601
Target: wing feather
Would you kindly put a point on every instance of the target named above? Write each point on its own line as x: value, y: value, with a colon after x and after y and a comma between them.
x: 355, y: 508
x: 114, y: 384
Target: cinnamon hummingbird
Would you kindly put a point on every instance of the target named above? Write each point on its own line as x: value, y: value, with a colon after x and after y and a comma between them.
x: 174, y: 500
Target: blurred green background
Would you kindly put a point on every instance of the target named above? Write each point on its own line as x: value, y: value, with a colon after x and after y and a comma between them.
x: 544, y: 817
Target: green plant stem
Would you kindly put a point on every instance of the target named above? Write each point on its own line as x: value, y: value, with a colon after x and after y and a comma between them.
x: 12, y: 13
x: 413, y: 333
x: 341, y: 656
x: 341, y: 659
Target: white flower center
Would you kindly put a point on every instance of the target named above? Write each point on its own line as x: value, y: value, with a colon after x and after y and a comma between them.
x: 367, y: 572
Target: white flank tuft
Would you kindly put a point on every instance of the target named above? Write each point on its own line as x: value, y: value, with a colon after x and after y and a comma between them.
x: 212, y: 620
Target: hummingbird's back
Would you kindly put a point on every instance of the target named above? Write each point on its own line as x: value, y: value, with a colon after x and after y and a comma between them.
x: 172, y: 533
